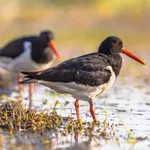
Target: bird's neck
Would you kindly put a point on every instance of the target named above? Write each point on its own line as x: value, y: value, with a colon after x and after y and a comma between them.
x: 115, y: 62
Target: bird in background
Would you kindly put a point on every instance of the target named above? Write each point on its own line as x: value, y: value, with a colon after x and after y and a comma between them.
x: 86, y: 76
x: 29, y: 53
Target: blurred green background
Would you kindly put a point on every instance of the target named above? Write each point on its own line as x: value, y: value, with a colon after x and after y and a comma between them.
x: 81, y: 25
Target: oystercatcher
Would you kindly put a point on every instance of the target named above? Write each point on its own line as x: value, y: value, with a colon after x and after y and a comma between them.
x: 31, y: 53
x: 86, y: 76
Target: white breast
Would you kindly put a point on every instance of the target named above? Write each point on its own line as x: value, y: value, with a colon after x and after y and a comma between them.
x: 78, y: 91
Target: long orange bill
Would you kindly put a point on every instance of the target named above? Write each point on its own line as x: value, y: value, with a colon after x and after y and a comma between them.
x: 132, y: 56
x: 52, y: 45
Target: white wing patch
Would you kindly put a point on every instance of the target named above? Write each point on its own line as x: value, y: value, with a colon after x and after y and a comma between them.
x: 78, y: 91
x: 112, y: 78
x: 23, y: 62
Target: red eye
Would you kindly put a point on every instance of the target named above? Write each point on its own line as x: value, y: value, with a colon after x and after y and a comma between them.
x: 117, y: 42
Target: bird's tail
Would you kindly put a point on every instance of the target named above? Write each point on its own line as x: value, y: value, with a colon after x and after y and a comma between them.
x: 30, y: 79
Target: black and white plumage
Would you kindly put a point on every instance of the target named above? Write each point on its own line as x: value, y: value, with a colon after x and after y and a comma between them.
x: 86, y: 76
x: 78, y: 75
x: 32, y: 53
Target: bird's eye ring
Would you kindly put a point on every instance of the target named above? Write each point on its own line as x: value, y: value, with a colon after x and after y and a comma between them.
x: 117, y: 42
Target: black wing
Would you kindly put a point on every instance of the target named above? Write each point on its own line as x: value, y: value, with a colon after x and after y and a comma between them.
x: 15, y: 47
x: 88, y: 70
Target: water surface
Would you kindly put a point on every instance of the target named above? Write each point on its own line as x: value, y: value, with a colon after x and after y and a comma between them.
x: 126, y: 106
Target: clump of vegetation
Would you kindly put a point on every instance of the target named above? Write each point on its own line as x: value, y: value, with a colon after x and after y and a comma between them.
x: 15, y: 117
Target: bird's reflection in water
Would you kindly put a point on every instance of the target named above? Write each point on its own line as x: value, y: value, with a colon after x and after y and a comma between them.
x: 89, y: 143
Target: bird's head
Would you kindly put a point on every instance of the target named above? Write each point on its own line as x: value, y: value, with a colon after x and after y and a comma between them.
x: 114, y: 45
x: 48, y: 37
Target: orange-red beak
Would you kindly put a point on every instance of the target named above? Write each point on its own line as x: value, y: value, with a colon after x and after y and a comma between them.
x: 52, y: 45
x: 132, y: 56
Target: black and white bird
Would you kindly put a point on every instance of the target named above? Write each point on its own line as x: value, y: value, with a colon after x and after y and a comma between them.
x: 30, y: 53
x: 86, y: 76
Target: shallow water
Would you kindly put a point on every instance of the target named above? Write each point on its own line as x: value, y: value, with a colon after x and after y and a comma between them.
x: 127, y: 107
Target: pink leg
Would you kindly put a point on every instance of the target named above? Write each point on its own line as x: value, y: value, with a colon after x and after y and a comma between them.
x: 77, y: 109
x: 31, y: 91
x: 92, y: 111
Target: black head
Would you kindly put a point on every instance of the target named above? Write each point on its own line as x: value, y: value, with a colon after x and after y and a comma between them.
x: 47, y: 35
x: 111, y: 45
